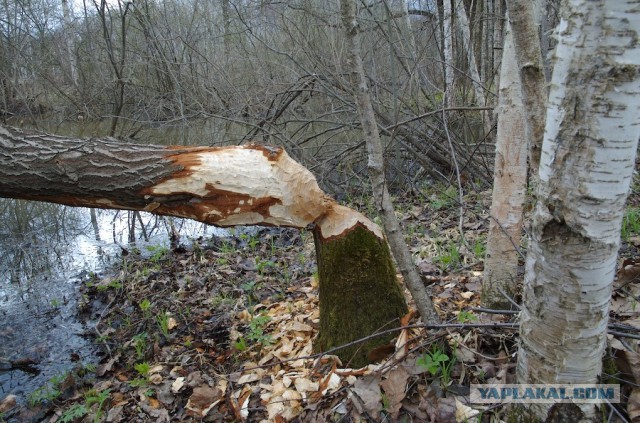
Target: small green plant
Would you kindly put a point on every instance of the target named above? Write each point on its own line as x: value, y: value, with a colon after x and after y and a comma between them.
x: 444, y: 198
x: 226, y: 247
x: 256, y: 330
x: 142, y: 368
x: 221, y: 299
x: 43, y: 394
x: 47, y: 392
x: 103, y: 339
x: 630, y: 223
x: 55, y: 303
x: 158, y: 252
x: 253, y: 242
x: 114, y: 284
x: 448, y: 257
x: 240, y: 344
x: 386, y: 403
x: 163, y: 323
x: 198, y: 252
x: 248, y: 287
x: 94, y: 397
x: 261, y: 265
x: 143, y: 372
x: 466, y: 316
x: 73, y: 413
x: 139, y: 342
x: 145, y: 307
x: 139, y: 382
x: 479, y: 249
x: 437, y: 362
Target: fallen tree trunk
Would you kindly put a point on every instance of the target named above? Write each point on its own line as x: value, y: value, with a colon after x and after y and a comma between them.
x: 222, y: 186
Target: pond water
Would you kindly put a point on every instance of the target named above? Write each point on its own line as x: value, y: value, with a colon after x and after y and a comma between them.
x: 46, y: 252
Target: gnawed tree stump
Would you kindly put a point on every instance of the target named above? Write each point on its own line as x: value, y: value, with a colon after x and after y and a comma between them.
x: 222, y: 186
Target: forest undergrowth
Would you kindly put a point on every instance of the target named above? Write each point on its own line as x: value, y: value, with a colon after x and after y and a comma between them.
x: 221, y: 330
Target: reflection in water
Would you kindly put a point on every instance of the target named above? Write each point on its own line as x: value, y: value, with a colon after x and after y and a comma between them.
x: 46, y: 251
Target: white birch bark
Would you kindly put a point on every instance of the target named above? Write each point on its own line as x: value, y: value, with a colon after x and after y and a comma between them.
x: 588, y: 157
x: 467, y: 45
x: 523, y: 16
x: 447, y: 34
x: 509, y: 187
x: 69, y: 41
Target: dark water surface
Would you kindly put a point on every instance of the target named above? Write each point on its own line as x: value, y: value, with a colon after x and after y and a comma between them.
x: 43, y: 263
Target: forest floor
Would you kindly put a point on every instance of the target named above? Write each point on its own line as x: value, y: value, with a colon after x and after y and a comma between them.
x: 222, y: 330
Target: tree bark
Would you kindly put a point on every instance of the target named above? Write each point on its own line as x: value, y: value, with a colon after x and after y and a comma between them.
x: 376, y: 168
x: 524, y: 26
x: 69, y: 43
x: 448, y: 65
x: 509, y: 188
x: 588, y: 158
x: 223, y: 186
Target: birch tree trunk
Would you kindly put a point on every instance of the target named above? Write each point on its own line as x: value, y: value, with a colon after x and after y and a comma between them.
x: 69, y: 42
x: 447, y: 35
x: 376, y: 167
x: 509, y: 187
x: 223, y: 186
x: 524, y: 25
x: 467, y: 45
x: 588, y: 157
x: 463, y: 24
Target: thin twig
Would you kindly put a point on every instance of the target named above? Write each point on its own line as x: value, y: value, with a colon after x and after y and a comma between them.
x: 516, y: 305
x: 492, y: 311
x: 623, y: 334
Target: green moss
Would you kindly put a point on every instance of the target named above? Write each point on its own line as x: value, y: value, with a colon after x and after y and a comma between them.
x: 359, y: 294
x: 520, y: 414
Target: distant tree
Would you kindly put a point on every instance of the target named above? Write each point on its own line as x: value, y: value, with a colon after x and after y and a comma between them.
x: 376, y: 166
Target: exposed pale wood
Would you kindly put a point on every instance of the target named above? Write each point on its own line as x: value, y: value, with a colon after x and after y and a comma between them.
x: 224, y: 186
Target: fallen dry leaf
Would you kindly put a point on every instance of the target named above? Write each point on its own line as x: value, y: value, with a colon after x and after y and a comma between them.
x: 628, y: 363
x: 367, y: 389
x: 177, y: 384
x: 395, y: 386
x: 155, y: 378
x: 446, y: 410
x: 464, y: 413
x: 106, y: 367
x: 305, y: 385
x: 8, y: 403
x: 628, y: 273
x: 633, y: 407
x: 202, y: 400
